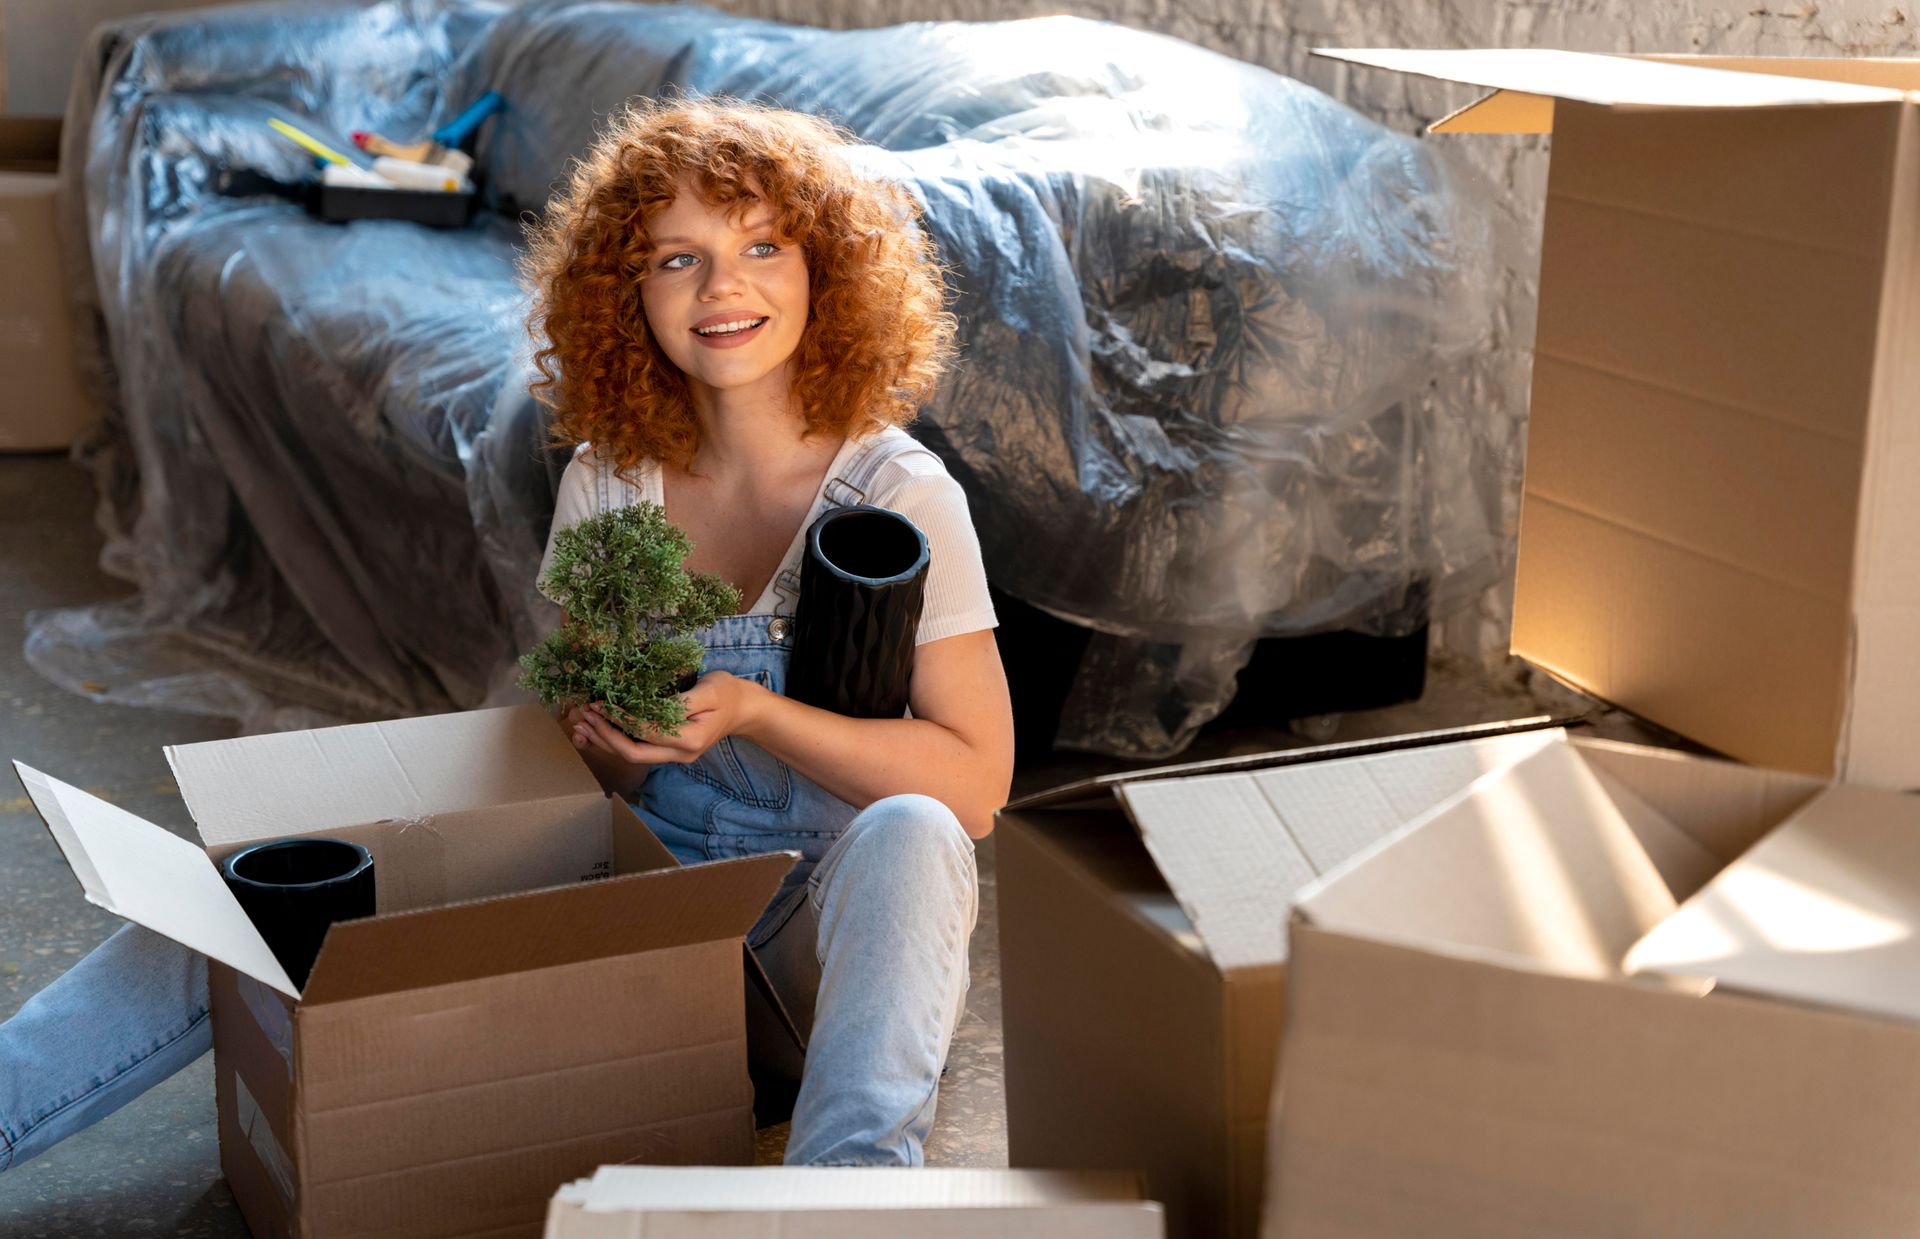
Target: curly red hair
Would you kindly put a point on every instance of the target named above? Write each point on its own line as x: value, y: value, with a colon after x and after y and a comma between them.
x: 877, y: 336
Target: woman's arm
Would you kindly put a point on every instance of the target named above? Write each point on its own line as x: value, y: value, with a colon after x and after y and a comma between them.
x: 957, y: 748
x: 617, y: 775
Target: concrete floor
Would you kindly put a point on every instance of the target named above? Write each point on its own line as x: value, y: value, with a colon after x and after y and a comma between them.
x: 153, y: 1167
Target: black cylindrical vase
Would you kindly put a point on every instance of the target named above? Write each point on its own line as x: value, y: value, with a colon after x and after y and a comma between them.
x: 294, y: 889
x: 862, y: 584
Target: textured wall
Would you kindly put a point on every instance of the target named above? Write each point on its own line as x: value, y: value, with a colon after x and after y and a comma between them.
x: 1513, y: 170
x: 41, y: 39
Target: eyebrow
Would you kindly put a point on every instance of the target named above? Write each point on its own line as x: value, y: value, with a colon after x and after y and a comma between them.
x: 761, y: 226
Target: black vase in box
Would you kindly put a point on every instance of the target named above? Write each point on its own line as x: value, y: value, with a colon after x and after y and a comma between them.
x: 862, y: 584
x: 293, y: 890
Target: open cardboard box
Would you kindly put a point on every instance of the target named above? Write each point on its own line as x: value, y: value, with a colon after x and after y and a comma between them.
x: 1607, y: 990
x: 543, y: 991
x: 1143, y: 953
x: 1718, y: 525
x: 817, y: 1202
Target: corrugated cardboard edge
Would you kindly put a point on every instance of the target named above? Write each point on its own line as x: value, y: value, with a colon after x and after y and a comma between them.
x: 624, y: 1202
x: 1100, y: 788
x: 544, y: 928
x: 1524, y: 81
x: 701, y: 1189
x: 1883, y: 664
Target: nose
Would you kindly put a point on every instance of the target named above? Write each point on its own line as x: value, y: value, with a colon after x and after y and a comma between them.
x: 722, y: 279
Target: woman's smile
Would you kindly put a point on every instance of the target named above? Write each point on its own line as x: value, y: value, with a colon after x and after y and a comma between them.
x: 729, y: 330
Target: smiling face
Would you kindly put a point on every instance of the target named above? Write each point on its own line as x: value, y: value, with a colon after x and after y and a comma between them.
x: 725, y: 297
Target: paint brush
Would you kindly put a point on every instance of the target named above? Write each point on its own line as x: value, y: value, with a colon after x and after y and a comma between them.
x: 443, y: 147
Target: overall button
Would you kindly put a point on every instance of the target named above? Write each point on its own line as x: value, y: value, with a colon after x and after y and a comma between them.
x: 779, y: 627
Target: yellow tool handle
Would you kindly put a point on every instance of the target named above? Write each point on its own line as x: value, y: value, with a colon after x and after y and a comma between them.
x: 310, y: 143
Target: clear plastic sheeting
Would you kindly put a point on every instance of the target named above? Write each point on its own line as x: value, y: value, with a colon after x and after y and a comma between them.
x: 300, y: 465
x: 1147, y: 699
x: 1211, y: 327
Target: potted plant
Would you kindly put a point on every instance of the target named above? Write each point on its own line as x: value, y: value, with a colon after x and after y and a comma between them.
x: 632, y: 608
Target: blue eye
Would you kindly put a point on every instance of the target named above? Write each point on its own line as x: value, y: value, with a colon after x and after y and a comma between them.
x: 766, y: 245
x: 668, y: 265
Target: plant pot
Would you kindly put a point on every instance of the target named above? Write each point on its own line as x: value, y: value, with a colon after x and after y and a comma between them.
x: 862, y: 585
x: 293, y: 890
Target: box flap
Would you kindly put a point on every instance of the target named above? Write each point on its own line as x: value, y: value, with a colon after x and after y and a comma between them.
x: 1236, y: 848
x: 1527, y: 80
x: 411, y: 769
x: 135, y: 869
x: 1098, y: 790
x: 1823, y: 910
x: 545, y: 928
x: 1724, y: 806
x: 1538, y: 863
x: 636, y: 849
x: 1893, y: 72
x: 755, y: 1189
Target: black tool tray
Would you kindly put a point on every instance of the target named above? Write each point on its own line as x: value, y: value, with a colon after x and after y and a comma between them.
x: 432, y: 207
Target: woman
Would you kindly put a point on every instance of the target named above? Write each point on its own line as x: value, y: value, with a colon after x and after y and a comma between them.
x: 735, y: 324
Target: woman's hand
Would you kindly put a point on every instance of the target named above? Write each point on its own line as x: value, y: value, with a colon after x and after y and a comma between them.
x: 717, y: 707
x: 617, y: 777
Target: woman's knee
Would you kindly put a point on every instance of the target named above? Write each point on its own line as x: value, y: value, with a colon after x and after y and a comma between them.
x: 912, y: 823
x: 903, y: 852
x: 911, y: 844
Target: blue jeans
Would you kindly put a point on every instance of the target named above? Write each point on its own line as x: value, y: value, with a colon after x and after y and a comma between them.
x: 126, y: 1017
x: 866, y: 944
x: 870, y: 956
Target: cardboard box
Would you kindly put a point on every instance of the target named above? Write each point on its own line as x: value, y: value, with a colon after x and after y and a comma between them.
x: 627, y: 1202
x: 1717, y: 531
x: 543, y: 991
x: 1144, y: 956
x: 1497, y: 1023
x: 43, y: 405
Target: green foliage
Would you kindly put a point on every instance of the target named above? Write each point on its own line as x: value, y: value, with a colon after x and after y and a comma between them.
x: 632, y: 608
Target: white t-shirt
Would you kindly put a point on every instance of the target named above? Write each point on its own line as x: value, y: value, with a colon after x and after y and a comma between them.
x: 910, y: 480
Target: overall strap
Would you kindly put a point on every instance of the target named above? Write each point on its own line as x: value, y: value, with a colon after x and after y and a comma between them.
x: 610, y: 490
x: 855, y: 481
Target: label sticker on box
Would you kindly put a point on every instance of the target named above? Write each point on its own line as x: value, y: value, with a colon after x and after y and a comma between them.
x: 260, y: 1135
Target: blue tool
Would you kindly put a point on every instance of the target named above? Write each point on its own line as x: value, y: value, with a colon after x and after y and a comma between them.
x: 461, y: 127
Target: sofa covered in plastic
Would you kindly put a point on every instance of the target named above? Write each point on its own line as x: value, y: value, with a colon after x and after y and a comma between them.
x: 1211, y: 327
